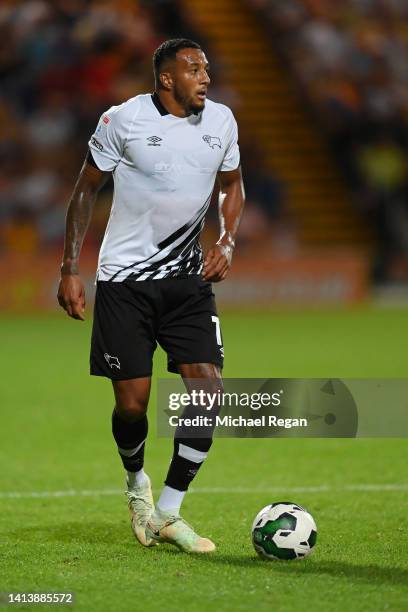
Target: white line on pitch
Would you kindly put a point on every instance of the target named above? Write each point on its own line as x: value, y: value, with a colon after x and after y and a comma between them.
x: 212, y: 490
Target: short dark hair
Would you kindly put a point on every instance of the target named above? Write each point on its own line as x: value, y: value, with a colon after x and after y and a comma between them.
x: 168, y: 50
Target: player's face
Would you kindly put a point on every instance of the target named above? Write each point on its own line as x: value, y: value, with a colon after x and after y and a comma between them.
x: 191, y: 79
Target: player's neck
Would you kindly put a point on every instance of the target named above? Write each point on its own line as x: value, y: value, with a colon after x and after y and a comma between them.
x: 171, y: 105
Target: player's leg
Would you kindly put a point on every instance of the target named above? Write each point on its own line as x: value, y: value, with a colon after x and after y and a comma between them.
x: 129, y: 428
x: 191, y: 447
x: 122, y: 349
x: 130, y: 425
x: 190, y: 334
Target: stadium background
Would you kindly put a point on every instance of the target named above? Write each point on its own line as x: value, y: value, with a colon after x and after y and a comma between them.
x: 318, y: 288
x: 320, y: 92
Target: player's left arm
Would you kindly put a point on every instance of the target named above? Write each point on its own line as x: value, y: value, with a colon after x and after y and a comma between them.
x: 232, y: 198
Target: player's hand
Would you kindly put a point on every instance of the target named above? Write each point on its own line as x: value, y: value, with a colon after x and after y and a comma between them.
x: 217, y: 262
x: 71, y: 296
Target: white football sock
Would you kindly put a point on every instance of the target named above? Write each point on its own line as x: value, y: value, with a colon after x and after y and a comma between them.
x: 136, y: 479
x: 170, y: 499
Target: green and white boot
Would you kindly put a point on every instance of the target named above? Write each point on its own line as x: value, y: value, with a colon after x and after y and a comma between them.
x: 141, y: 506
x: 170, y: 527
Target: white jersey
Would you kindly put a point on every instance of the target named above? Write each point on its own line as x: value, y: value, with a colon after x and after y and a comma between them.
x: 164, y: 169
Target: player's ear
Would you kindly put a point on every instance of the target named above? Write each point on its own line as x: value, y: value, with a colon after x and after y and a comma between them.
x: 166, y: 80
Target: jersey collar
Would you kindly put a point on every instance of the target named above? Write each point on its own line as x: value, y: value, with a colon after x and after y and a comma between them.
x: 156, y: 101
x: 163, y: 110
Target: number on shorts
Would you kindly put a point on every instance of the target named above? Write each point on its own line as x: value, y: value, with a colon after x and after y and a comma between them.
x: 216, y: 320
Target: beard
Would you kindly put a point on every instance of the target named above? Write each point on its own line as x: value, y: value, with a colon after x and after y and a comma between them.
x: 187, y: 102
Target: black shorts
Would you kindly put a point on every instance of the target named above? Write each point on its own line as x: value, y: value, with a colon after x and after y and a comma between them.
x: 130, y: 317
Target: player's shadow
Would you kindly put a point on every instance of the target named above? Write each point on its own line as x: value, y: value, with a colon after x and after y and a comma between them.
x: 68, y: 532
x: 338, y: 569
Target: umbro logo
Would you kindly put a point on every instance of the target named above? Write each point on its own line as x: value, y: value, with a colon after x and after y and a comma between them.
x: 154, y: 141
x: 212, y: 141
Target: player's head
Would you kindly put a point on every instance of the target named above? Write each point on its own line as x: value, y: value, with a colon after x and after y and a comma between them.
x: 181, y: 68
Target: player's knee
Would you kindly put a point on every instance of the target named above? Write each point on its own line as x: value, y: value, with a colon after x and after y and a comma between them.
x: 132, y: 398
x: 131, y: 409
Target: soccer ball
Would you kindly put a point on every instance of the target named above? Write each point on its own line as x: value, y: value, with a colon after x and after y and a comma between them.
x: 284, y: 530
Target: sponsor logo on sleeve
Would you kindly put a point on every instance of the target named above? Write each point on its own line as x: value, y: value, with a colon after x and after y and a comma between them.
x: 96, y: 143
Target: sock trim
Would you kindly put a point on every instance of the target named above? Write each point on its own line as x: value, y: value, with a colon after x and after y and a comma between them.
x: 191, y: 454
x: 129, y: 452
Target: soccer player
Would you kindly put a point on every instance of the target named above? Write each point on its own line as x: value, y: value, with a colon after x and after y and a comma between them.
x: 165, y: 152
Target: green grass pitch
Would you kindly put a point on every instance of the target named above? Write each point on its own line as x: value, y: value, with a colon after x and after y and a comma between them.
x: 55, y: 436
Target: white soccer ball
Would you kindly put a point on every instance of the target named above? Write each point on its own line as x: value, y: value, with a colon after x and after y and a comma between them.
x: 284, y: 530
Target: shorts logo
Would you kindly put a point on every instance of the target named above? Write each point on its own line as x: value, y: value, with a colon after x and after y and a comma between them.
x: 154, y: 141
x: 212, y: 141
x: 96, y: 143
x: 112, y: 361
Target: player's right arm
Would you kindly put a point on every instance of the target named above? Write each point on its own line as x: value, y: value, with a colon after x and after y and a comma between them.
x: 71, y: 291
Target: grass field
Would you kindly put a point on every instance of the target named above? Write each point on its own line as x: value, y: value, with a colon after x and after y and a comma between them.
x: 55, y: 437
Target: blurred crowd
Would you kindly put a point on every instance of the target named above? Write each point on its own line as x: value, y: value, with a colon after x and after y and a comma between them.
x: 62, y: 63
x: 350, y: 61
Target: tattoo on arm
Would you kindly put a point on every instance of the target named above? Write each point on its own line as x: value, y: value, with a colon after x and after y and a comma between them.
x: 79, y: 213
